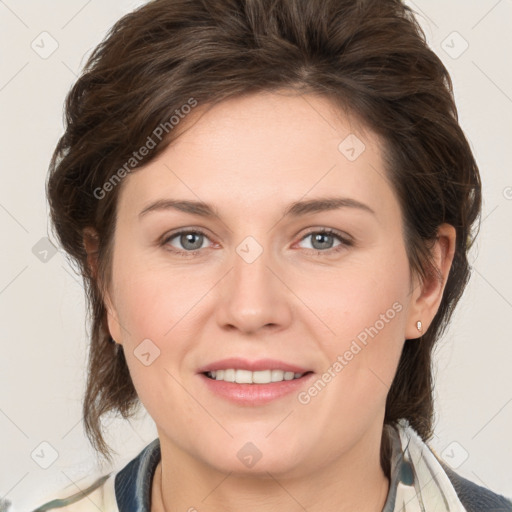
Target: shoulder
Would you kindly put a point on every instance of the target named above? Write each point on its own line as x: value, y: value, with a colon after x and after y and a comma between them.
x: 476, y: 498
x: 127, y: 489
x: 427, y: 465
x: 100, y: 493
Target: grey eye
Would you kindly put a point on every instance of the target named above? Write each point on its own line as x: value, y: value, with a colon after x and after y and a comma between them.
x: 187, y: 240
x: 321, y: 240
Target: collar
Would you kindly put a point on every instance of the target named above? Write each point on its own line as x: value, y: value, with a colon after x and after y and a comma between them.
x: 133, y: 482
x: 420, y: 483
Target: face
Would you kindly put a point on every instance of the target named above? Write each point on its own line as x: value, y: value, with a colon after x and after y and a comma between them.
x: 270, y: 281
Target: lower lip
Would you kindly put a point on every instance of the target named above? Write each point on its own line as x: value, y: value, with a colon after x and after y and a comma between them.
x: 255, y: 394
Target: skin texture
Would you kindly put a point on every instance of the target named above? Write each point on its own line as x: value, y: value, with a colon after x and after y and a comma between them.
x: 250, y: 158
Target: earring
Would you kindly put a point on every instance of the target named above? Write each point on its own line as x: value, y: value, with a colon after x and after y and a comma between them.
x: 418, y: 325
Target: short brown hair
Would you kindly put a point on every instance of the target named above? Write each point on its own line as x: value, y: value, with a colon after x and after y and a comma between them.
x: 370, y: 58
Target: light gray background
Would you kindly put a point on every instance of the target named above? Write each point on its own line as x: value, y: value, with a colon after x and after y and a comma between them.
x: 43, y: 327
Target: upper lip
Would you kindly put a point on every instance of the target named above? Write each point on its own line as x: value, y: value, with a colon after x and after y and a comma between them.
x: 253, y: 366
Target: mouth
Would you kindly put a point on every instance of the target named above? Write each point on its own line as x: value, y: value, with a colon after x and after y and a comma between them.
x: 253, y: 383
x: 240, y: 376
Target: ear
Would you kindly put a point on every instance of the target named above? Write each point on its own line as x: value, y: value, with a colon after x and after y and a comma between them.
x: 91, y: 244
x: 427, y: 296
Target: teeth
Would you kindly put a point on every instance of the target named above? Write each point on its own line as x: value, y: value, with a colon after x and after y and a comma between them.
x: 261, y: 377
x: 277, y: 375
x: 229, y: 375
x: 242, y: 377
x: 248, y: 377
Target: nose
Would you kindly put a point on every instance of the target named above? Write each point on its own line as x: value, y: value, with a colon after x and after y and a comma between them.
x: 254, y: 297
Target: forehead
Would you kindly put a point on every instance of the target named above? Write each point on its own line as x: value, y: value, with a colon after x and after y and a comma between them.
x: 261, y: 151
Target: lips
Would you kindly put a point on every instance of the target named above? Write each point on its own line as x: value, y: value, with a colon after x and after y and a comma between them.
x: 252, y: 366
x: 254, y: 383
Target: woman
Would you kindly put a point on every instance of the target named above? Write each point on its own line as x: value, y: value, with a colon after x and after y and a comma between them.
x: 272, y: 204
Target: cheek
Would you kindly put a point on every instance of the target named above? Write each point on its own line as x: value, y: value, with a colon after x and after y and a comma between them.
x: 152, y: 303
x: 159, y: 310
x: 155, y: 311
x: 363, y: 300
x: 365, y: 311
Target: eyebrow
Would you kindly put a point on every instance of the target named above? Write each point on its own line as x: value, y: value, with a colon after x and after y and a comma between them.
x: 295, y: 209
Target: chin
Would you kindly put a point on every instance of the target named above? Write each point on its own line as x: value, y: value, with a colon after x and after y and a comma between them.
x: 255, y: 458
x: 261, y: 469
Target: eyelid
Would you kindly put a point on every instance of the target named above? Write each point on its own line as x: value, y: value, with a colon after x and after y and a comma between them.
x: 180, y: 231
x: 330, y: 231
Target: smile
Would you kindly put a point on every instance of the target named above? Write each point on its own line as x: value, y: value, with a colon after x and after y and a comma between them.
x: 248, y: 377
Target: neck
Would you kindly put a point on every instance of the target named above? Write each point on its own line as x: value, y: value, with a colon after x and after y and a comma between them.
x: 355, y: 481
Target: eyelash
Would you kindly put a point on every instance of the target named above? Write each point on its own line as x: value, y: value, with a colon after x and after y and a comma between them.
x: 345, y: 241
